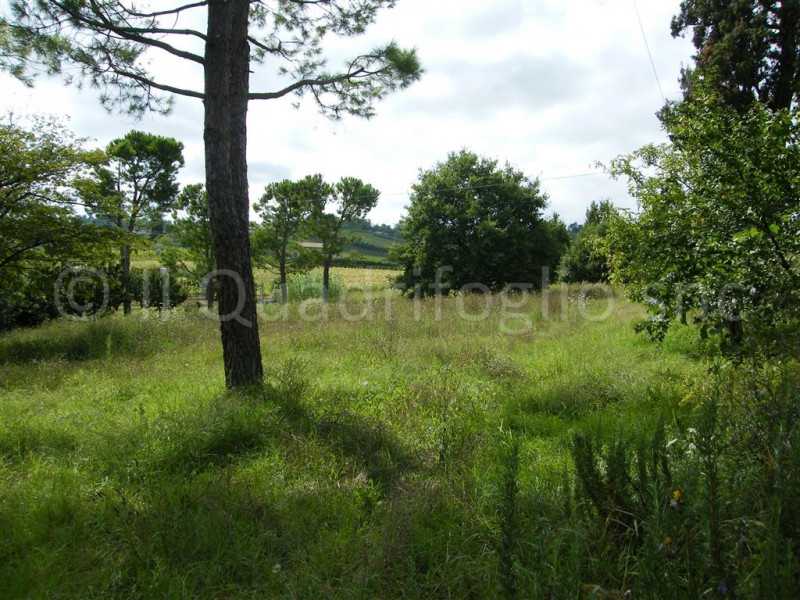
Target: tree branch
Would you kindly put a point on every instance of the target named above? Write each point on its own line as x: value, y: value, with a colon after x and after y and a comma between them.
x: 128, y: 33
x: 151, y: 83
x: 163, y: 13
x: 322, y: 81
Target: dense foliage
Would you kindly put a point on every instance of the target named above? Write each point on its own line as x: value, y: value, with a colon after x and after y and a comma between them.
x: 40, y: 232
x: 718, y: 234
x: 748, y: 48
x: 586, y: 258
x: 471, y: 221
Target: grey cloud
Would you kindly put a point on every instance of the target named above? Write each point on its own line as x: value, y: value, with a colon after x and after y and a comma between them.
x: 519, y: 81
x: 497, y: 18
x: 262, y: 172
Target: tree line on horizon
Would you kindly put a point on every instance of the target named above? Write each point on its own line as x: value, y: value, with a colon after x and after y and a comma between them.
x: 102, y: 201
x: 719, y: 200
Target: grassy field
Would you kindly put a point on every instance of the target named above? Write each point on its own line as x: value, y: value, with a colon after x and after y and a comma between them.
x: 374, y: 463
x: 356, y: 279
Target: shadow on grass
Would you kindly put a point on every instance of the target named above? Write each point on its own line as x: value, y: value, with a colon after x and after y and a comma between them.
x: 367, y: 442
x: 205, y: 536
x: 80, y: 341
x: 245, y: 424
x: 19, y: 440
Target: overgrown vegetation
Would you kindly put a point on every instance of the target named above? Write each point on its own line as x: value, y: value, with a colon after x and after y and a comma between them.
x: 470, y: 445
x: 718, y: 236
x: 411, y: 457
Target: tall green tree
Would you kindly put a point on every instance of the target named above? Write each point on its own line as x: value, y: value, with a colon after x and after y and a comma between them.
x: 586, y: 259
x: 188, y: 248
x: 749, y: 48
x: 718, y: 234
x: 350, y: 200
x: 137, y: 182
x: 480, y: 223
x: 111, y: 41
x: 286, y: 208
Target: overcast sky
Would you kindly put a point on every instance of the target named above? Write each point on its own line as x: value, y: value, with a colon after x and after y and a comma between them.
x: 552, y: 86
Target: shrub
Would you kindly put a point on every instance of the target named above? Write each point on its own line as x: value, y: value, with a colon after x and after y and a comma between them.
x: 157, y: 288
x: 706, y: 506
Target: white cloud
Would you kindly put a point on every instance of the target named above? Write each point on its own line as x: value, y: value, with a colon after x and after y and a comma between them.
x: 550, y: 86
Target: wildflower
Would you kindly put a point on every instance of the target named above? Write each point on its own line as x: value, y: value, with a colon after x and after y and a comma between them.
x: 677, y: 499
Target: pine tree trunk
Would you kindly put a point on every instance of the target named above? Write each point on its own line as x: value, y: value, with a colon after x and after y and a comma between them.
x: 326, y: 281
x: 788, y: 35
x: 225, y: 134
x: 210, y: 294
x: 125, y: 278
x: 283, y: 282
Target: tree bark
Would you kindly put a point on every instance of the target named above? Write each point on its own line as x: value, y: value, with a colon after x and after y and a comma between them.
x: 125, y: 278
x: 788, y: 34
x: 227, y: 84
x: 283, y: 281
x: 209, y: 294
x: 326, y: 281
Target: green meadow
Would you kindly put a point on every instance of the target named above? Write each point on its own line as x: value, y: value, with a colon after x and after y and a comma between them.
x: 396, y: 450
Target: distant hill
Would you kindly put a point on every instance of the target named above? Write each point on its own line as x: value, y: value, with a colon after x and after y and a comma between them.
x: 373, y: 245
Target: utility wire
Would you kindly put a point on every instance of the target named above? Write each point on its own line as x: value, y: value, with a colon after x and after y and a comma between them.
x: 649, y: 52
x: 462, y: 188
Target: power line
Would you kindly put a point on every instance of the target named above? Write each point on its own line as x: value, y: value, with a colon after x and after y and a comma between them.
x: 461, y: 188
x: 649, y: 52
x: 570, y: 176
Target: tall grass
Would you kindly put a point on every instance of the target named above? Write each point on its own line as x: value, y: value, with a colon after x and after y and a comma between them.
x: 414, y: 455
x: 307, y: 286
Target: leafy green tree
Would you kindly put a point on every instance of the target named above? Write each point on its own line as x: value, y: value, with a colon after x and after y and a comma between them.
x: 286, y: 209
x: 586, y: 259
x: 188, y: 249
x: 749, y: 48
x: 718, y: 234
x: 481, y: 223
x: 111, y: 42
x: 37, y: 168
x: 137, y: 182
x: 40, y: 233
x: 351, y: 200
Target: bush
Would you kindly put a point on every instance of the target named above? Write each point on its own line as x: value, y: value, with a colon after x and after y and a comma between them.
x: 157, y: 288
x: 47, y: 294
x: 82, y: 292
x: 708, y: 505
